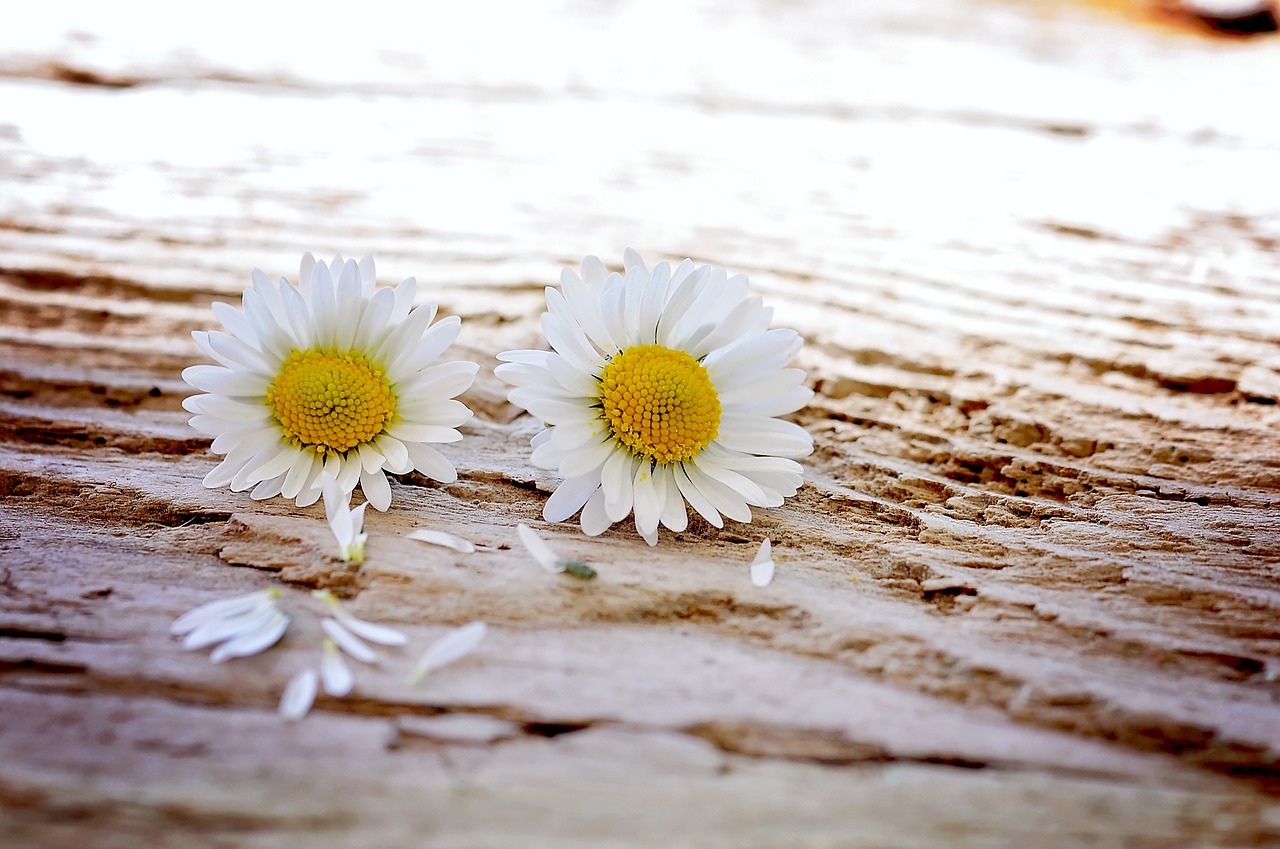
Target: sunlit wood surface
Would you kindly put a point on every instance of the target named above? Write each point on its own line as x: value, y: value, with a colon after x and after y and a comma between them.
x: 1028, y: 596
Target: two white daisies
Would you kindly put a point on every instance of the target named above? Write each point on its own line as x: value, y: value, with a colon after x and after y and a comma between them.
x: 662, y: 391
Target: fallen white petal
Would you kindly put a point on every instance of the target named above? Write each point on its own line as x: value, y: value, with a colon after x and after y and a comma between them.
x: 762, y: 566
x: 219, y: 609
x: 539, y: 549
x: 348, y: 642
x: 299, y: 695
x: 334, y: 671
x: 453, y: 646
x: 255, y: 641
x: 221, y: 630
x: 444, y: 539
x: 371, y: 631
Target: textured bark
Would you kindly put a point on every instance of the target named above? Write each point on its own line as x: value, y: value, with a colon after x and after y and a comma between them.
x: 1028, y: 595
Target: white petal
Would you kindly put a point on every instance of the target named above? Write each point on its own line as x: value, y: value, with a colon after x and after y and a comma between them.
x: 762, y: 565
x: 347, y: 641
x: 442, y: 538
x: 699, y: 502
x: 259, y: 640
x: 617, y: 479
x: 594, y: 519
x: 759, y: 435
x: 337, y: 508
x: 409, y: 432
x: 298, y: 473
x: 218, y: 609
x: 538, y: 547
x: 334, y: 672
x: 648, y: 507
x: 229, y: 627
x: 396, y: 457
x: 371, y: 631
x: 376, y: 489
x: 674, y: 516
x: 588, y: 459
x: 267, y: 489
x: 431, y: 462
x: 721, y: 497
x: 452, y: 647
x: 299, y: 695
x: 570, y: 496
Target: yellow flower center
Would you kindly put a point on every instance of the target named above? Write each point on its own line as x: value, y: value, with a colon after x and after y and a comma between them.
x: 659, y: 403
x: 330, y: 402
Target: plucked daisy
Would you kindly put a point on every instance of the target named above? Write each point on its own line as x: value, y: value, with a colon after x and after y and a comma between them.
x: 663, y: 387
x: 332, y: 376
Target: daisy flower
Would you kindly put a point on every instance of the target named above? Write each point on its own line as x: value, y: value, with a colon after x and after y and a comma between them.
x: 331, y: 376
x: 663, y: 387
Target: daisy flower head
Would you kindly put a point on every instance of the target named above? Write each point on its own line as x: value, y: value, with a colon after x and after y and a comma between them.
x: 332, y: 376
x: 663, y: 389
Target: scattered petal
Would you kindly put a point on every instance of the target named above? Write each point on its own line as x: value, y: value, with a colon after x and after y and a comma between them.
x: 221, y: 630
x: 442, y: 538
x: 348, y: 642
x: 453, y: 646
x: 538, y: 547
x: 345, y: 523
x: 762, y: 566
x: 252, y: 642
x: 220, y: 609
x: 371, y: 631
x: 334, y: 672
x: 299, y: 695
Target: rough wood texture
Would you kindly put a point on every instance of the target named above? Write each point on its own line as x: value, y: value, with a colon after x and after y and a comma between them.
x: 1028, y: 597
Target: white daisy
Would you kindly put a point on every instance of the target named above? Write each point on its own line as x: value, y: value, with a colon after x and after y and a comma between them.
x: 663, y: 387
x: 331, y: 376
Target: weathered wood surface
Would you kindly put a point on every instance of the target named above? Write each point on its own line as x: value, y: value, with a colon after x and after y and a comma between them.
x: 1028, y: 596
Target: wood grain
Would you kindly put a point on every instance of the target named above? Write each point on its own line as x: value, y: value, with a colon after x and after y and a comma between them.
x: 1028, y: 595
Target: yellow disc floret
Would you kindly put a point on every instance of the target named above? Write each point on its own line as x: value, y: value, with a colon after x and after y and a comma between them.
x: 328, y: 401
x: 659, y: 403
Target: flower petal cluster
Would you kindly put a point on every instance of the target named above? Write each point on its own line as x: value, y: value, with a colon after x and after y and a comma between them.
x: 662, y: 391
x: 344, y: 634
x: 239, y: 627
x: 332, y: 376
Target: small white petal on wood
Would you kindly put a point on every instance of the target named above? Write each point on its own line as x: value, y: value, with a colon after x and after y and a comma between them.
x: 347, y: 641
x: 299, y: 695
x: 762, y: 566
x: 371, y: 631
x: 452, y: 647
x: 441, y: 538
x: 539, y: 549
x: 334, y: 672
